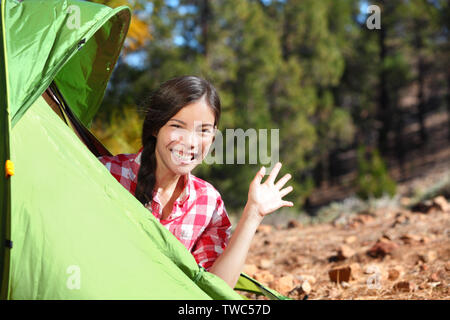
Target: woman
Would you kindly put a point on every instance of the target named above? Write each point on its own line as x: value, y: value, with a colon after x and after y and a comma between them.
x: 179, y: 127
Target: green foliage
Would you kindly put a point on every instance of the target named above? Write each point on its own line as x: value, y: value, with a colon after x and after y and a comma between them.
x: 373, y: 179
x: 122, y: 133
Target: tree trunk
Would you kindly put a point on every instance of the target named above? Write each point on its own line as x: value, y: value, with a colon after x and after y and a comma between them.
x: 448, y: 103
x: 421, y: 107
x: 399, y: 145
x: 384, y: 114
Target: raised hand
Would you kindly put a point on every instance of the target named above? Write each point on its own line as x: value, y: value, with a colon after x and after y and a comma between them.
x: 263, y: 199
x: 268, y: 196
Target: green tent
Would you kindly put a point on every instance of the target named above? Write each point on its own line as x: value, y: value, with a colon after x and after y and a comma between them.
x: 69, y: 230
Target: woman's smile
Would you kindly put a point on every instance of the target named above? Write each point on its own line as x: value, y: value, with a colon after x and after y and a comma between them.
x: 181, y: 157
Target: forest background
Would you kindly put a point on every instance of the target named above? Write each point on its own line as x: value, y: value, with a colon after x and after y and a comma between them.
x: 359, y: 109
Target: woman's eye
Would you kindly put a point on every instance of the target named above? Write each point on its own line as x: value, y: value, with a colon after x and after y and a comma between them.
x: 175, y: 126
x: 207, y: 132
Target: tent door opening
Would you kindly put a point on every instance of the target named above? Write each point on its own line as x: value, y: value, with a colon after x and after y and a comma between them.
x: 56, y: 101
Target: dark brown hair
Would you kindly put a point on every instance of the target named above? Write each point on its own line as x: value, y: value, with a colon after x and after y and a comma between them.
x: 162, y: 105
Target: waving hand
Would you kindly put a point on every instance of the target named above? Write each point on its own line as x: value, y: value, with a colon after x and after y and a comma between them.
x: 268, y: 196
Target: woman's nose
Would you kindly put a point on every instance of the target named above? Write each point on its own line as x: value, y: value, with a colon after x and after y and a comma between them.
x: 190, y: 138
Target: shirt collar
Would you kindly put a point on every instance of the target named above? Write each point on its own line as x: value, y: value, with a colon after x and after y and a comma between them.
x: 136, y: 163
x: 188, y: 181
x: 184, y: 195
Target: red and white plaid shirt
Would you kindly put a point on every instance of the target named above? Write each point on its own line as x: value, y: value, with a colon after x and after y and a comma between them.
x: 198, y: 218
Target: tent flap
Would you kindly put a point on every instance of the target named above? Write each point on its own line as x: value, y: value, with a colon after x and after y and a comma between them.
x: 43, y: 38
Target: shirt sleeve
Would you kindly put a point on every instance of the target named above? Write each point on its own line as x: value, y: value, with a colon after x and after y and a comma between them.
x: 214, y: 239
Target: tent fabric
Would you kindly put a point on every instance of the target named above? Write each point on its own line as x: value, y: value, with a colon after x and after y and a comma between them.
x: 5, y: 185
x: 76, y: 41
x: 248, y: 284
x: 89, y: 226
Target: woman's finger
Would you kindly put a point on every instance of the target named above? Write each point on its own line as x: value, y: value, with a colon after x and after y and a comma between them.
x: 280, y: 183
x: 274, y: 173
x: 259, y: 175
x: 277, y: 206
x: 285, y: 191
x: 287, y: 204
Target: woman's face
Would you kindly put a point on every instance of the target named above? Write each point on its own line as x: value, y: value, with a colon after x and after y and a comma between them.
x: 183, y: 142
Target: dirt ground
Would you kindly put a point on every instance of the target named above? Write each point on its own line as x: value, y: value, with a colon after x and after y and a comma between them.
x: 381, y: 254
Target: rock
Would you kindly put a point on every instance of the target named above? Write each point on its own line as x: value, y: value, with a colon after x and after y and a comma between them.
x: 340, y: 274
x: 355, y: 269
x: 426, y: 207
x: 441, y: 203
x: 350, y: 239
x: 265, y: 263
x: 250, y: 269
x: 405, y: 201
x: 382, y: 248
x: 434, y: 284
x: 264, y: 228
x: 394, y: 274
x: 299, y: 260
x: 288, y: 261
x: 365, y: 218
x: 447, y: 266
x: 423, y: 267
x: 310, y: 279
x: 431, y: 256
x: 360, y: 219
x: 424, y: 239
x: 372, y: 268
x: 400, y: 218
x: 292, y: 224
x: 410, y: 238
x: 345, y: 285
x: 378, y: 273
x: 345, y: 252
x: 427, y: 257
x: 434, y: 277
x: 305, y: 287
x: 387, y: 236
x: 284, y: 285
x: 403, y: 286
x: 264, y: 277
